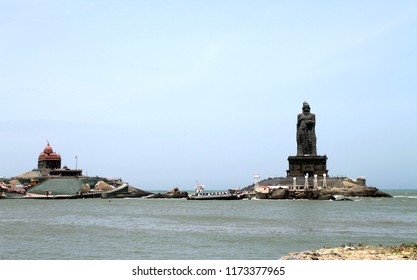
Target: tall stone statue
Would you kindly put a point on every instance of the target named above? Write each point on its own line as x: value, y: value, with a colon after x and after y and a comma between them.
x: 306, y: 135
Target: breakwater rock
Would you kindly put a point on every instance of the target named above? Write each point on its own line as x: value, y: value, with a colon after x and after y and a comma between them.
x: 174, y: 193
x: 135, y: 192
x: 132, y: 192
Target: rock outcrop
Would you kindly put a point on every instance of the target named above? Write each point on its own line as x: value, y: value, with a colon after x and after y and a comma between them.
x: 279, y: 194
x: 326, y: 194
x: 103, y: 186
x: 359, y: 191
x: 85, y: 188
x: 281, y: 188
x: 135, y: 192
x: 174, y: 193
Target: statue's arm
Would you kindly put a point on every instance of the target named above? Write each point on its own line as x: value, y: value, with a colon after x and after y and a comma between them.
x: 299, y: 118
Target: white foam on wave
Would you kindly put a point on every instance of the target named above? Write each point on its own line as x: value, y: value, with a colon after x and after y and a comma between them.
x: 405, y: 196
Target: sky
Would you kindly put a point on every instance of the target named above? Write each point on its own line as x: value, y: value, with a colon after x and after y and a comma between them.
x: 167, y: 93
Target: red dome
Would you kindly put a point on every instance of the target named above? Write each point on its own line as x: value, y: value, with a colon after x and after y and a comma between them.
x: 49, y: 154
x: 48, y: 149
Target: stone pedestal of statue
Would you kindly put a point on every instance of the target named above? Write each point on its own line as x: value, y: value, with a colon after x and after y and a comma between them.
x: 307, y: 164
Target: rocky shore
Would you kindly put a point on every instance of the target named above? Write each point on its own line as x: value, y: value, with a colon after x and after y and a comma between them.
x: 282, y: 188
x: 360, y: 252
x: 328, y: 194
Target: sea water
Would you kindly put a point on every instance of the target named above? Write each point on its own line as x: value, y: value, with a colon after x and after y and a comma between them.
x: 161, y: 229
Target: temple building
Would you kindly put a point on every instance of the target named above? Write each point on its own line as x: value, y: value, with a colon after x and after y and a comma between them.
x: 49, y: 164
x: 48, y: 160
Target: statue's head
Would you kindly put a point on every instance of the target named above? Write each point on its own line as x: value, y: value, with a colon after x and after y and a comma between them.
x: 306, y: 107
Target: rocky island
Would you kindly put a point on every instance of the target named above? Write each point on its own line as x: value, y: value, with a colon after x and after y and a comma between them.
x: 335, y: 188
x: 51, y: 181
x: 307, y: 174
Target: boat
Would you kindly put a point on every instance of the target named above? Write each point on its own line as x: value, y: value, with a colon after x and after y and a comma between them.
x: 215, y: 196
x: 201, y: 195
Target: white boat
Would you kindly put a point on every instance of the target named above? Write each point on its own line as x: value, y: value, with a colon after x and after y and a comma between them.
x: 200, y: 194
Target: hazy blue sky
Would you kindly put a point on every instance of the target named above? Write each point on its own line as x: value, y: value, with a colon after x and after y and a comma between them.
x: 164, y: 93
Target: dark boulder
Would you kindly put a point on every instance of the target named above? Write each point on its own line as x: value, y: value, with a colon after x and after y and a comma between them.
x: 279, y: 194
x: 134, y: 192
x: 174, y: 193
x: 326, y: 197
